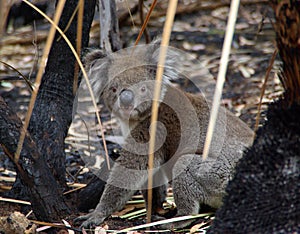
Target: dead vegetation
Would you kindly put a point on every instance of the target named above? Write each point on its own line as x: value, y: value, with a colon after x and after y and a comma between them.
x: 198, y: 29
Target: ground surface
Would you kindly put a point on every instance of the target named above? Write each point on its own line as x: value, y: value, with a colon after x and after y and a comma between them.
x: 199, y: 33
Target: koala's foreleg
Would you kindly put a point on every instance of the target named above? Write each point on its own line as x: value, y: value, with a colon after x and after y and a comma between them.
x: 113, y: 198
x: 128, y: 175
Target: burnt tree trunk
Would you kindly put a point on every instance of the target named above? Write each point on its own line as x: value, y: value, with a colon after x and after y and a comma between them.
x: 41, y: 168
x: 37, y: 180
x: 52, y: 114
x: 264, y: 195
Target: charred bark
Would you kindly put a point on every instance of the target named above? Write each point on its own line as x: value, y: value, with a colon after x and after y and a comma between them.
x: 89, y: 197
x: 41, y: 168
x: 45, y: 197
x: 264, y: 195
x: 52, y: 114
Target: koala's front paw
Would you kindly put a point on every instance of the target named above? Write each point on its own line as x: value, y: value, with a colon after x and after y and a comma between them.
x: 91, y: 220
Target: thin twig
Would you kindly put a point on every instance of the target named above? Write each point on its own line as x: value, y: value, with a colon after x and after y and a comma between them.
x: 141, y: 10
x: 176, y: 219
x: 70, y: 21
x: 159, y: 73
x: 129, y: 12
x: 145, y: 22
x: 27, y: 81
x: 16, y: 201
x: 263, y: 89
x: 78, y: 43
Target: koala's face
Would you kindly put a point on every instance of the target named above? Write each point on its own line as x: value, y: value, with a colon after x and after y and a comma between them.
x: 129, y: 95
x: 125, y: 80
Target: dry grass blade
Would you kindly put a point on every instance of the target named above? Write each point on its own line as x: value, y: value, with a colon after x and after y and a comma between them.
x: 14, y: 201
x: 221, y: 75
x: 8, y: 179
x: 28, y: 82
x: 70, y: 21
x: 76, y: 187
x: 129, y: 11
x: 154, y: 113
x: 56, y: 225
x: 4, y: 11
x: 134, y: 214
x: 166, y: 221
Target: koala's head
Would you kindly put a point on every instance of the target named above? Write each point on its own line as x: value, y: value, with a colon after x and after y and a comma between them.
x: 126, y: 79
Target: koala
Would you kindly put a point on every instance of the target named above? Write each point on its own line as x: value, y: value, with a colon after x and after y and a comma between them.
x: 125, y: 81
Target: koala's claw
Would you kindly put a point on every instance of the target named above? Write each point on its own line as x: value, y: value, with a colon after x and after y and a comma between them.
x: 90, y: 220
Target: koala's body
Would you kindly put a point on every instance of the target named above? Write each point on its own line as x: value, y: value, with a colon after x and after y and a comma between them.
x: 125, y: 81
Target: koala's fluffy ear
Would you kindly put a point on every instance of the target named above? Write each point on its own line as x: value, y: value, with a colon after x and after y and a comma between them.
x: 95, y: 63
x: 91, y: 57
x: 171, y: 66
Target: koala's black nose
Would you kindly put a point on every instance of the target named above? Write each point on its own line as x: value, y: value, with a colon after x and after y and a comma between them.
x: 126, y: 97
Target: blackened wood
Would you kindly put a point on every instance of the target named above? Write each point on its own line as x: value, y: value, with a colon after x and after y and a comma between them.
x: 52, y: 114
x: 41, y: 168
x: 264, y: 195
x: 45, y: 197
x: 89, y: 197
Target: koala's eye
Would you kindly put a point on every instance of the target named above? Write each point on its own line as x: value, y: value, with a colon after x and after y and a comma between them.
x: 143, y: 89
x: 114, y: 89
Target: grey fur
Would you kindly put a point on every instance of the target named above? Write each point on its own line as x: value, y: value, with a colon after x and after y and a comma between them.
x: 180, y: 136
